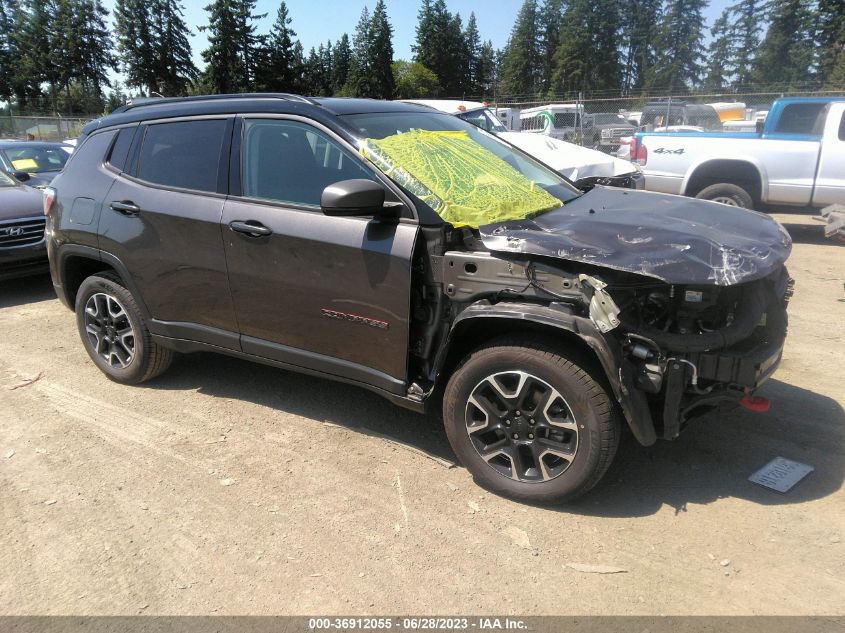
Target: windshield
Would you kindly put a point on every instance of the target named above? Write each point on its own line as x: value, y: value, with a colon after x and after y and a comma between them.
x: 485, y: 120
x: 6, y: 180
x: 466, y: 175
x: 34, y: 160
x: 603, y: 119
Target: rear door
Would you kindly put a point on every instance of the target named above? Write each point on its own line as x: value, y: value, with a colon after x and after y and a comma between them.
x: 330, y: 294
x: 830, y: 179
x: 161, y: 219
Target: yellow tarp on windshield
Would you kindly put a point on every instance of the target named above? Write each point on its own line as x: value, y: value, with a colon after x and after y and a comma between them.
x: 465, y: 183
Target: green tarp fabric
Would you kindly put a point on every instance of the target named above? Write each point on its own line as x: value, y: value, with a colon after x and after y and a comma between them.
x: 465, y: 183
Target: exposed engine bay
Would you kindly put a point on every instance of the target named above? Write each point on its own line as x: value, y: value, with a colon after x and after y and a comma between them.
x: 677, y: 350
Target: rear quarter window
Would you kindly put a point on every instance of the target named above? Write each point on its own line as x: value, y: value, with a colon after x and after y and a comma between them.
x: 120, y: 149
x: 182, y: 154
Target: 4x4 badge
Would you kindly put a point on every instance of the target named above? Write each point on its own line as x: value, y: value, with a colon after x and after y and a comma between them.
x: 354, y: 318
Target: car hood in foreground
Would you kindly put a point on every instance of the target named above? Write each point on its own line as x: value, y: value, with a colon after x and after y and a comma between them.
x: 19, y: 202
x: 672, y: 238
x: 573, y: 161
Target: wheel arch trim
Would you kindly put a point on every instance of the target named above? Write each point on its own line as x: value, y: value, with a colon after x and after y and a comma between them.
x: 561, y: 317
x: 704, y: 163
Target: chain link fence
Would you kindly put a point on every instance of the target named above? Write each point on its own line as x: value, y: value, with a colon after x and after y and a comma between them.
x: 41, y: 128
x: 604, y: 123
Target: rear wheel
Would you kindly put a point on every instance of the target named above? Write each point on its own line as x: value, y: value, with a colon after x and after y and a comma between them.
x: 529, y: 423
x: 729, y: 194
x: 114, y: 333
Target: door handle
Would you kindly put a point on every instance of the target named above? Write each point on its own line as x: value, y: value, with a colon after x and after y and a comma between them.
x: 251, y: 228
x: 126, y: 207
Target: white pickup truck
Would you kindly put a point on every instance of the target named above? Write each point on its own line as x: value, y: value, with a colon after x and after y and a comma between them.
x: 796, y: 159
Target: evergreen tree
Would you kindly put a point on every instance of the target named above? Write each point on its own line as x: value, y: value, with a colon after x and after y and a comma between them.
x: 521, y: 65
x: 785, y: 55
x: 440, y: 46
x: 359, y: 71
x: 135, y: 43
x: 7, y: 60
x: 234, y: 48
x: 90, y: 53
x: 551, y: 24
x: 280, y: 71
x: 639, y: 39
x: 746, y: 17
x: 414, y: 81
x: 487, y: 70
x: 830, y: 37
x: 678, y: 66
x: 720, y: 54
x: 380, y: 53
x: 472, y: 52
x: 173, y: 65
x: 32, y: 41
x: 587, y: 57
x: 341, y: 60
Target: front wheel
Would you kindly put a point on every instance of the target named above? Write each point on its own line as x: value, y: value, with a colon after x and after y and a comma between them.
x: 529, y: 423
x: 727, y: 193
x: 114, y: 333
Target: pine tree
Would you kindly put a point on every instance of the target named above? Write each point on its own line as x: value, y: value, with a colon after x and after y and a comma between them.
x: 639, y: 39
x: 91, y: 57
x: 234, y: 47
x: 746, y: 17
x: 830, y: 37
x: 487, y: 70
x: 522, y: 65
x: 32, y: 41
x: 135, y: 43
x: 678, y: 66
x: 472, y: 50
x: 341, y: 59
x: 358, y: 81
x: 279, y: 73
x: 382, y: 85
x: 7, y: 10
x: 587, y: 58
x: 720, y: 53
x: 785, y: 56
x: 173, y: 65
x: 551, y: 24
x: 440, y: 46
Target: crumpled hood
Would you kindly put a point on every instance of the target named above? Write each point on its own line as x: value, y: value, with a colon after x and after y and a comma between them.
x: 573, y: 161
x: 672, y: 238
x: 19, y: 202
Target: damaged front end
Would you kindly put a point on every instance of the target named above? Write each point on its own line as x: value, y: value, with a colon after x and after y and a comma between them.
x: 685, y: 308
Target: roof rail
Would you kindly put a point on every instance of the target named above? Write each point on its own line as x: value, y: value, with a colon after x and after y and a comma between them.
x: 148, y: 101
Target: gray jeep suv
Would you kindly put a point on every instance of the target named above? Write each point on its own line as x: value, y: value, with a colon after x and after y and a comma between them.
x: 272, y: 227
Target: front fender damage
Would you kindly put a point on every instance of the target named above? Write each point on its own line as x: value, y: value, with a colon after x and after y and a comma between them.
x: 618, y: 371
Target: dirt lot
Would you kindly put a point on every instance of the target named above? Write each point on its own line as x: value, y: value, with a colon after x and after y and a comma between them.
x: 231, y: 488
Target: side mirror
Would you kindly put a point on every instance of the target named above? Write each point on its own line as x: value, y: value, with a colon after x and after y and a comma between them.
x: 758, y: 126
x: 357, y: 197
x: 22, y: 176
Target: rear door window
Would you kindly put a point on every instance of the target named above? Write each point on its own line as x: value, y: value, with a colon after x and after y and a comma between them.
x: 799, y: 118
x: 183, y: 154
x: 291, y: 161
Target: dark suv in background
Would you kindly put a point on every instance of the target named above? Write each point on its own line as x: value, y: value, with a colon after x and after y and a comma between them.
x: 253, y: 225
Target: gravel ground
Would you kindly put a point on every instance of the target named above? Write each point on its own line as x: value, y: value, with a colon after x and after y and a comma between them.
x: 225, y: 487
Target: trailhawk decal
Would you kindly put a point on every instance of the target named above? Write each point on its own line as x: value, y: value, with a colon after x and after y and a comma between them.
x: 354, y: 318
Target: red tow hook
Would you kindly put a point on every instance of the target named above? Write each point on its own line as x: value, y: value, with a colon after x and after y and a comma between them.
x: 756, y: 403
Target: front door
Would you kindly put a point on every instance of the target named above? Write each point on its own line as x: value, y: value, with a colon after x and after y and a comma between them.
x: 330, y: 294
x: 830, y: 180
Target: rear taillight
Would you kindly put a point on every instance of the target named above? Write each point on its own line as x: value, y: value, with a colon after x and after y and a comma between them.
x: 640, y: 152
x: 49, y: 198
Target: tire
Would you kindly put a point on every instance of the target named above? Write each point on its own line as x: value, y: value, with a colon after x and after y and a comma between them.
x: 575, y: 442
x: 114, y: 332
x: 726, y: 193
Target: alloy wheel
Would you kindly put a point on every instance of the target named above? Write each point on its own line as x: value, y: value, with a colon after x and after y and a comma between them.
x: 521, y: 426
x: 109, y: 330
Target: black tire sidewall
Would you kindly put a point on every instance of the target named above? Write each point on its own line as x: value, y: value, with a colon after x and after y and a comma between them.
x: 495, y: 359
x: 136, y: 369
x: 727, y: 190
